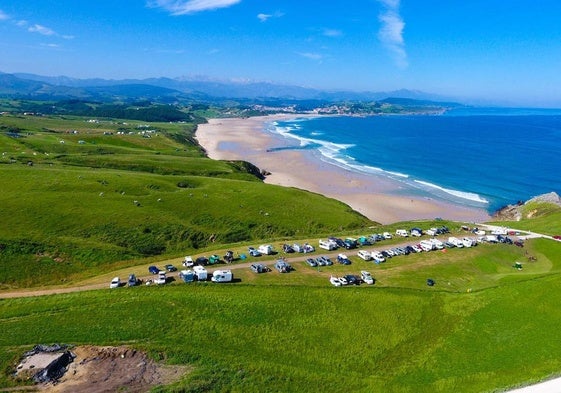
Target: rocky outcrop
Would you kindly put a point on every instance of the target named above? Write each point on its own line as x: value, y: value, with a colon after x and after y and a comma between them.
x: 515, y: 212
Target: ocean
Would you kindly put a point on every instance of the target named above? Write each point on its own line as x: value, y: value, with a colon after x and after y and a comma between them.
x: 479, y: 157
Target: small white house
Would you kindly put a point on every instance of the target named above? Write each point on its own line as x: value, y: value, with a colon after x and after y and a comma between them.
x: 222, y: 276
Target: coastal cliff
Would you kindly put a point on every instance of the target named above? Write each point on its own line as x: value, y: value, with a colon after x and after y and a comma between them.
x: 520, y: 210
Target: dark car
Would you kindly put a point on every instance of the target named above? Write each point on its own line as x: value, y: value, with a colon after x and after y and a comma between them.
x: 259, y: 268
x: 430, y: 282
x: 352, y: 279
x: 340, y: 243
x: 343, y: 260
x: 287, y: 248
x: 133, y: 281
x: 202, y: 261
x: 153, y: 269
x: 170, y: 268
x: 350, y: 244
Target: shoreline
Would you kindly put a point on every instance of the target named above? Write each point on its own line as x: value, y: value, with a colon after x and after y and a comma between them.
x: 378, y: 198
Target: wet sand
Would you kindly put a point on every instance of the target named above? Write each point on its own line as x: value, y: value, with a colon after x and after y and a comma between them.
x: 380, y: 199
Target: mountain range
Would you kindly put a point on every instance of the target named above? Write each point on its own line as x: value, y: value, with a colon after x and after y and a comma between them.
x: 31, y: 86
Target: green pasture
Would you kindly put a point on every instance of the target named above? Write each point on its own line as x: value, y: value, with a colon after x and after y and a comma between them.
x: 294, y: 332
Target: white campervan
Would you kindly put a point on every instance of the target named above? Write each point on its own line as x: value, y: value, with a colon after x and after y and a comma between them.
x: 222, y: 276
x: 328, y: 245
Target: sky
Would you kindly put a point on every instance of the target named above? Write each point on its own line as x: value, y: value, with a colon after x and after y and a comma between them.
x: 479, y: 50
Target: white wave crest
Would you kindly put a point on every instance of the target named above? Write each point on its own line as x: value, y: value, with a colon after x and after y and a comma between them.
x: 460, y: 194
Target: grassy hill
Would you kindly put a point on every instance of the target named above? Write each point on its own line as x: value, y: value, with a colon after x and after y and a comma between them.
x: 80, y: 196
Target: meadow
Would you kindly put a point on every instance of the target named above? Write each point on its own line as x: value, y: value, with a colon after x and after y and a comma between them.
x: 295, y: 332
x: 109, y: 200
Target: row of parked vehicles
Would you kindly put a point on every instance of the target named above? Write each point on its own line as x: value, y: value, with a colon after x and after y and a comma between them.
x: 351, y: 279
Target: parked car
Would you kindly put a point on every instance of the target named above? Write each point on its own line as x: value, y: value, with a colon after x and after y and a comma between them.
x: 287, y: 248
x: 282, y: 266
x: 133, y: 281
x: 364, y: 255
x: 213, y: 259
x: 387, y: 235
x: 170, y: 268
x: 229, y: 257
x: 343, y: 260
x: 253, y: 252
x: 153, y: 269
x: 367, y: 277
x: 350, y: 243
x: 258, y: 268
x: 352, y: 279
x: 201, y: 261
x: 188, y: 262
x: 312, y: 262
x: 115, y: 282
x: 430, y: 282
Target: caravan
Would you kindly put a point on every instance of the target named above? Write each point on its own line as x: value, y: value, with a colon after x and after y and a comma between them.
x: 187, y: 275
x: 200, y: 273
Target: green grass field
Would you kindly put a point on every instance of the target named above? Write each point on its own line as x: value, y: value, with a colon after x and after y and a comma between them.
x: 295, y: 332
x: 104, y: 203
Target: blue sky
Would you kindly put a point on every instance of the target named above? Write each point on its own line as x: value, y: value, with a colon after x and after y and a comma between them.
x: 497, y: 50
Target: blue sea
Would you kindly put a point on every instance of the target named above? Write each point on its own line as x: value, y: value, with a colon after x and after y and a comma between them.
x: 479, y: 157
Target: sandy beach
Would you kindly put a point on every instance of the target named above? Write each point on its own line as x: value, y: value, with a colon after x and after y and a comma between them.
x: 375, y: 197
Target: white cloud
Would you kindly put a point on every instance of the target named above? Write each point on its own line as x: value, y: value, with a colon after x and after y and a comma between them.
x: 391, y: 31
x: 41, y: 30
x: 4, y: 16
x: 22, y: 23
x: 182, y: 7
x: 263, y: 17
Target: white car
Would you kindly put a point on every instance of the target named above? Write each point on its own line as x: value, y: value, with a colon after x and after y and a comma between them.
x: 387, y: 235
x: 364, y: 255
x: 115, y: 283
x: 377, y: 256
x: 367, y: 277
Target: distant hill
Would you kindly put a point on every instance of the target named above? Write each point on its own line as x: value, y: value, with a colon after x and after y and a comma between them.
x: 170, y: 89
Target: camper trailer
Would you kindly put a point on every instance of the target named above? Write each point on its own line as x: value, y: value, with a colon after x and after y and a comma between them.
x: 200, y: 273
x: 187, y: 275
x: 222, y: 276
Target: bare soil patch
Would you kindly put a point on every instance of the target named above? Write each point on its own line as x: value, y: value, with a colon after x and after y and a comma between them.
x: 112, y: 369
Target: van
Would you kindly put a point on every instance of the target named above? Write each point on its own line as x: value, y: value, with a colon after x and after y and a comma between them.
x: 401, y: 232
x: 328, y: 245
x: 367, y: 256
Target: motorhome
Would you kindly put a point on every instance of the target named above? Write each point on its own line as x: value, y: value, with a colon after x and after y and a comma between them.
x: 401, y: 232
x: 328, y: 245
x: 266, y: 249
x: 222, y: 276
